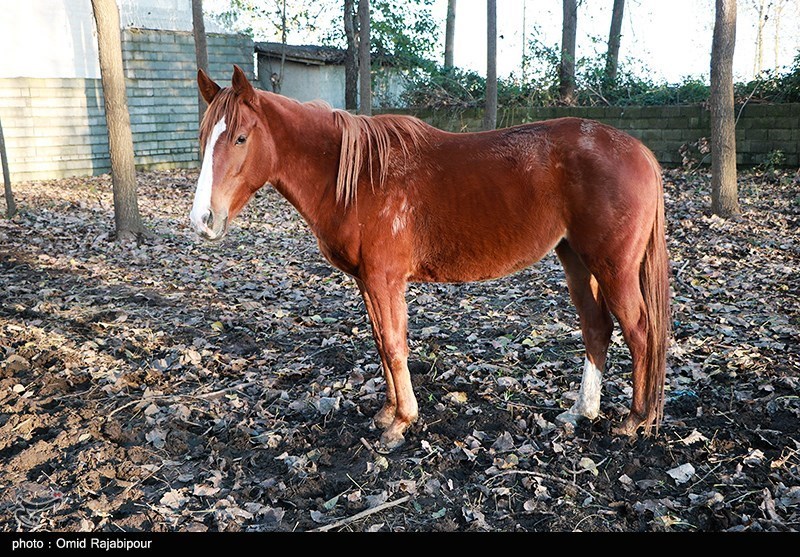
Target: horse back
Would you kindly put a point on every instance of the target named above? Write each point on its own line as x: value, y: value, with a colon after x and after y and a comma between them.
x: 483, y: 205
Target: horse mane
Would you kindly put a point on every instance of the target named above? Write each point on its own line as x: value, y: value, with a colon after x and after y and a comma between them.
x: 370, y: 139
x: 365, y: 139
x: 224, y: 105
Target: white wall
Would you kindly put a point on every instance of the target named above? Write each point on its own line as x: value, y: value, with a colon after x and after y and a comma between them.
x: 388, y: 88
x: 173, y: 15
x: 305, y: 82
x: 56, y: 38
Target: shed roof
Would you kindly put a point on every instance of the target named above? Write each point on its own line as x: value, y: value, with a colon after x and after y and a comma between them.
x: 308, y: 54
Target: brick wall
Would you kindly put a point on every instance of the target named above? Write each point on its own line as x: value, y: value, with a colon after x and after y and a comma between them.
x: 761, y: 129
x: 56, y: 127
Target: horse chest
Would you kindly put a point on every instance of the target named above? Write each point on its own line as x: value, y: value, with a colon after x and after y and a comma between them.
x: 338, y: 257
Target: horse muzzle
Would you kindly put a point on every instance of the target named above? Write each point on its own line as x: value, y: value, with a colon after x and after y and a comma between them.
x: 209, y: 225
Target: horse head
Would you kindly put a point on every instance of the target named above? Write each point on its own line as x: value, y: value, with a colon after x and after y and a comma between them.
x: 238, y: 153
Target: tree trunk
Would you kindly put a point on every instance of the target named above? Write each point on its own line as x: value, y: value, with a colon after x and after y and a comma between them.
x: 724, y: 191
x: 350, y: 57
x: 776, y: 40
x: 758, y: 64
x: 364, y: 61
x: 277, y: 82
x: 120, y: 141
x: 449, y: 34
x: 490, y: 108
x: 612, y: 57
x: 567, y: 67
x: 11, y: 206
x: 200, y: 50
x: 524, y: 35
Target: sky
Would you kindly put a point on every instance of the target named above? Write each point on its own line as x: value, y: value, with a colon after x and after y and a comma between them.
x: 671, y: 37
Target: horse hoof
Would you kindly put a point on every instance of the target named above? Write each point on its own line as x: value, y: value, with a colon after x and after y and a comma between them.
x: 391, y: 441
x: 628, y: 427
x: 569, y: 419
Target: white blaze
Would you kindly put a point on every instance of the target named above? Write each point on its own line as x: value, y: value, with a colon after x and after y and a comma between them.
x: 202, y: 195
x: 588, y: 403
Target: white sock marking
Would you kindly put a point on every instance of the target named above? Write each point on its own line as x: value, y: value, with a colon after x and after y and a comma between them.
x: 202, y: 195
x: 588, y: 403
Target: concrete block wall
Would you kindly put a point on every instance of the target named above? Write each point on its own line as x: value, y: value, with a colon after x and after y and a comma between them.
x: 761, y: 129
x: 56, y: 127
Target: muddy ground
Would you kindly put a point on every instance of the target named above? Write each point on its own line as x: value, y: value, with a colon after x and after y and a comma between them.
x: 180, y: 385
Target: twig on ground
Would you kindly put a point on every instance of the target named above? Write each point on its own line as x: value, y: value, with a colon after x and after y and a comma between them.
x: 172, y: 398
x: 367, y: 445
x: 362, y: 514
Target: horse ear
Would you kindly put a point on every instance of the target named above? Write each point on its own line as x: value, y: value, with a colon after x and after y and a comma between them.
x: 207, y: 87
x: 241, y: 86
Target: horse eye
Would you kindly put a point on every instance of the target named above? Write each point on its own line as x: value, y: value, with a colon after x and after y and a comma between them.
x: 241, y: 139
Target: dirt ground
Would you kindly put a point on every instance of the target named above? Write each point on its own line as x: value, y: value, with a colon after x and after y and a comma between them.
x: 180, y: 385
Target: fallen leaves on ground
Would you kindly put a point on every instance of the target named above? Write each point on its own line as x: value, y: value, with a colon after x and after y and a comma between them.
x: 179, y: 385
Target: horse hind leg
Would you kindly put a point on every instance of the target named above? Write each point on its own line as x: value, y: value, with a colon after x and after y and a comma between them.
x: 596, y: 328
x: 624, y: 297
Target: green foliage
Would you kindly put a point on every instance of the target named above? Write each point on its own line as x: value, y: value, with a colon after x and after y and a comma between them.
x: 632, y: 86
x: 403, y: 33
x: 441, y: 87
x: 773, y: 86
x: 772, y: 162
x: 262, y: 19
x: 538, y: 86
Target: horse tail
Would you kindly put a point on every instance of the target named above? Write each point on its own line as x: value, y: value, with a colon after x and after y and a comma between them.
x: 654, y: 277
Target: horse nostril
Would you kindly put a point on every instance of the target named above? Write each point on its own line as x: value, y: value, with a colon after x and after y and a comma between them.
x: 208, y: 219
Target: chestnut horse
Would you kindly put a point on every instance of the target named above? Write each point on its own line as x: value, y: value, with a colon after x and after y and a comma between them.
x: 392, y: 200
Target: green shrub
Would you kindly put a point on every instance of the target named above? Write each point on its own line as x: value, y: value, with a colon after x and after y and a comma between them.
x: 435, y: 87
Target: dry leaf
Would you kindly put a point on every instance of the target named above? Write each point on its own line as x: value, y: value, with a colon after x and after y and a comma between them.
x: 682, y: 474
x: 174, y: 499
x: 455, y: 397
x: 694, y: 437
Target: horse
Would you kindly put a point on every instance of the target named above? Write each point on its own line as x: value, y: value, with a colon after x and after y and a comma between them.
x: 393, y: 200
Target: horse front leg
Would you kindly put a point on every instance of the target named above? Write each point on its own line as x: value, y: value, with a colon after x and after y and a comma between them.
x: 385, y: 416
x: 386, y: 295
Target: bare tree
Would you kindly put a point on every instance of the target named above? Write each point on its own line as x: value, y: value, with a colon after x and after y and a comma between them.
x: 524, y: 41
x: 449, y: 33
x: 612, y: 56
x: 120, y: 141
x: 776, y: 39
x: 761, y: 7
x: 11, y: 206
x: 566, y: 70
x: 724, y: 190
x: 277, y: 78
x: 490, y: 109
x: 766, y: 12
x: 364, y: 61
x: 350, y: 57
x: 200, y: 49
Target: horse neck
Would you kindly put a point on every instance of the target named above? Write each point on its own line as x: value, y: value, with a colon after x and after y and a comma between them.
x: 307, y: 145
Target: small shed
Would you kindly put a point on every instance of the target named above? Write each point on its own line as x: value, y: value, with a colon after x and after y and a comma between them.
x: 314, y: 72
x: 310, y: 72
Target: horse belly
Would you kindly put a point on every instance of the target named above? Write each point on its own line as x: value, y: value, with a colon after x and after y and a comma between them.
x: 475, y: 252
